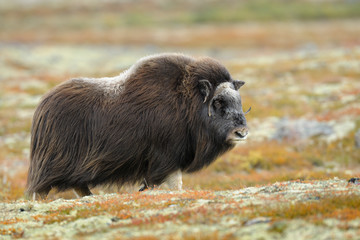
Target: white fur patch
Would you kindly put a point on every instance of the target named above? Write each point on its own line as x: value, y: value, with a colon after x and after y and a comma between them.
x: 174, y: 180
x: 159, y: 55
x: 113, y: 86
x: 226, y: 88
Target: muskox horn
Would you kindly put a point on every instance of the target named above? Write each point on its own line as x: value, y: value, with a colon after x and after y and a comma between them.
x: 247, y: 111
x: 238, y: 84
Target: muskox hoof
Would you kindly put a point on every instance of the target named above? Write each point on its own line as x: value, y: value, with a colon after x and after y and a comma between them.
x: 143, y: 188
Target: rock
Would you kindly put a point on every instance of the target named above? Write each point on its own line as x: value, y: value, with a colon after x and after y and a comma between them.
x: 354, y: 181
x: 257, y: 221
x: 301, y: 129
x: 340, y: 130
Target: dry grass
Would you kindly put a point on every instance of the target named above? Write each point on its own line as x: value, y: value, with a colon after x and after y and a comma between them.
x: 267, y: 36
x: 344, y: 207
x: 167, y: 23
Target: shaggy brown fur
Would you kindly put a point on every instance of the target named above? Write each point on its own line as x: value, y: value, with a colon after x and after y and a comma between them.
x: 147, y: 123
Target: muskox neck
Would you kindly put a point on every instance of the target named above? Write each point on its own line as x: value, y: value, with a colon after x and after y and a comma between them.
x: 206, y: 144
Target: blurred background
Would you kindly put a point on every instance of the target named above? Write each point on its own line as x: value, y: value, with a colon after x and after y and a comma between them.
x: 300, y: 60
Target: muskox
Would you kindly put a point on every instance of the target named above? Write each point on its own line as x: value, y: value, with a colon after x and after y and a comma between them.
x: 165, y: 115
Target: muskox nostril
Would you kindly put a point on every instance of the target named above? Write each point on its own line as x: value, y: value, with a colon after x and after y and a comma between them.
x: 238, y: 134
x: 241, y: 134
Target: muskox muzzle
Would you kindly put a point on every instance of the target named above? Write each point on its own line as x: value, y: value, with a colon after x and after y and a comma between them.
x: 240, y: 133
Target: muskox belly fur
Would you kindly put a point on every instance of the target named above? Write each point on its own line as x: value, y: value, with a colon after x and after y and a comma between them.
x: 166, y: 114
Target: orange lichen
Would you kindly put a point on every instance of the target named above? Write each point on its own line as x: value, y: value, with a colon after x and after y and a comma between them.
x: 344, y: 207
x: 13, y: 232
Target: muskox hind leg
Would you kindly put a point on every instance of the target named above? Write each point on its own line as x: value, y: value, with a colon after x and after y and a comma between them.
x: 41, y: 195
x: 82, y: 191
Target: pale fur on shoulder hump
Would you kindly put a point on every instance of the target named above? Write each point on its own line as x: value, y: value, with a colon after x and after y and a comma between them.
x: 113, y: 86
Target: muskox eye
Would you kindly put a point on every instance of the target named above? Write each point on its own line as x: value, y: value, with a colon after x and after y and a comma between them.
x: 218, y: 104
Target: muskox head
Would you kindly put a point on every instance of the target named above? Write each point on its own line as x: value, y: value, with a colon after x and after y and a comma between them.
x: 224, y: 110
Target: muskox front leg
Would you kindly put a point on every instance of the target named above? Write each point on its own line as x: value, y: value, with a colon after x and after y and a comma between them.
x: 174, y: 180
x: 82, y: 191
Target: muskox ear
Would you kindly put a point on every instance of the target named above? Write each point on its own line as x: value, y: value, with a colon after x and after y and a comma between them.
x: 205, y: 89
x: 238, y: 84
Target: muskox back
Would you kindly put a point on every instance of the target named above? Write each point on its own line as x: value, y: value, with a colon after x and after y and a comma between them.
x: 143, y: 125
